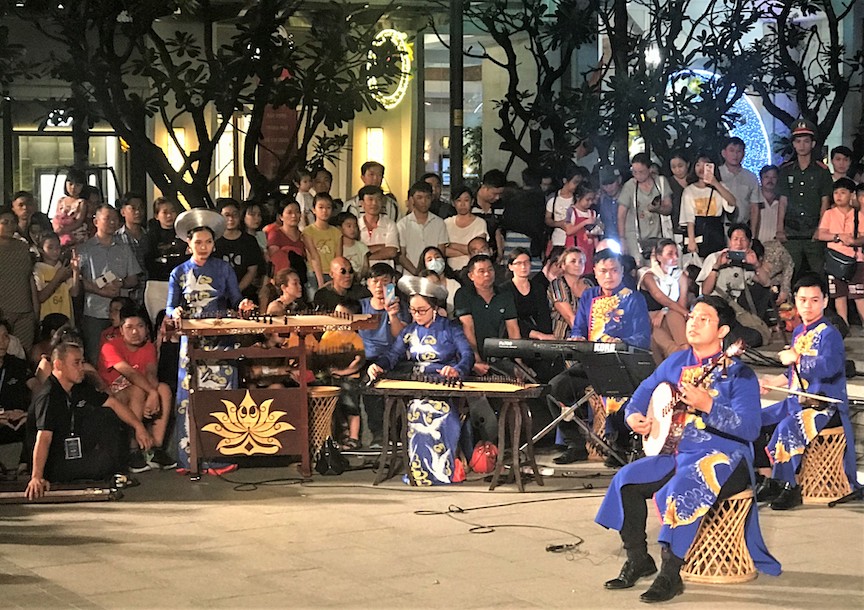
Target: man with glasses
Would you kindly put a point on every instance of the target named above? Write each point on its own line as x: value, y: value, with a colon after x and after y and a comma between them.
x: 712, y: 462
x: 343, y: 285
x: 607, y: 313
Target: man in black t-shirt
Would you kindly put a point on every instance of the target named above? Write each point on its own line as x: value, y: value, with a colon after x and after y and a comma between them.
x: 344, y: 285
x: 239, y: 249
x: 75, y: 431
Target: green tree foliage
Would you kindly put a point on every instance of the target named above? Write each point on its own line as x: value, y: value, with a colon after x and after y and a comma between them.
x: 126, y: 61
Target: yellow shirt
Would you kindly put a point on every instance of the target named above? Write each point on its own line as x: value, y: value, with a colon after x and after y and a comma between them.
x: 326, y: 242
x: 61, y: 300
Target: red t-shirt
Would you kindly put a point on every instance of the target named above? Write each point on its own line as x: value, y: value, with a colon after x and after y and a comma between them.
x: 116, y: 350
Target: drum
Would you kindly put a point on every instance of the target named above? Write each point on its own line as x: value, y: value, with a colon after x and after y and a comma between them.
x: 322, y: 404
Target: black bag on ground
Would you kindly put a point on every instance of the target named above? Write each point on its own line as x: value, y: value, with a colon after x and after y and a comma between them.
x: 330, y: 459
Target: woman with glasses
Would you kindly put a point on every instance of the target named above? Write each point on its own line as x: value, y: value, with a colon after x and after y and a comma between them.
x: 434, y: 345
x: 532, y: 308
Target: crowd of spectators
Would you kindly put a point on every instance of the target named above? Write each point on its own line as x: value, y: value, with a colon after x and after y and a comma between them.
x: 514, y: 258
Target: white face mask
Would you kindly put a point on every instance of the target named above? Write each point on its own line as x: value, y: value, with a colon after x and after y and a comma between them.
x: 436, y: 265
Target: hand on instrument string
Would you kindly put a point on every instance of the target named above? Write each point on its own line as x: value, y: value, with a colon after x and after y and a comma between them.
x: 448, y: 371
x: 374, y: 370
x: 639, y: 423
x: 696, y: 397
x: 246, y: 305
x: 775, y: 380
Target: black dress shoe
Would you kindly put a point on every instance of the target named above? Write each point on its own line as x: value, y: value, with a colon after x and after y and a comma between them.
x: 768, y: 490
x: 788, y: 499
x: 571, y: 455
x: 662, y: 589
x: 632, y: 571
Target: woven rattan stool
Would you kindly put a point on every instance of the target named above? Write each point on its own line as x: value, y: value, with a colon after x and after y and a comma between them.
x: 719, y: 554
x: 322, y: 403
x: 822, y: 477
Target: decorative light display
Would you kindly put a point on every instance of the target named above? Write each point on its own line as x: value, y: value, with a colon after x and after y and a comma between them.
x: 390, y: 99
x: 751, y: 129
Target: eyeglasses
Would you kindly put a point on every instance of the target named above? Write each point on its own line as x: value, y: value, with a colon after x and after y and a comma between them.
x: 528, y: 262
x: 419, y: 311
x: 344, y: 271
x: 703, y: 319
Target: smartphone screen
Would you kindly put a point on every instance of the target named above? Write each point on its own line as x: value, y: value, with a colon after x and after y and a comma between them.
x: 708, y: 170
x: 389, y: 293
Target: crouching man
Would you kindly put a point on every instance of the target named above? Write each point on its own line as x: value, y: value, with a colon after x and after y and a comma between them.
x: 76, y: 431
x: 127, y: 366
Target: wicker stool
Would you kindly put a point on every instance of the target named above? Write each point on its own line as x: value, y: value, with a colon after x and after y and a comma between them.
x: 719, y: 554
x: 598, y: 406
x: 322, y: 403
x: 822, y: 477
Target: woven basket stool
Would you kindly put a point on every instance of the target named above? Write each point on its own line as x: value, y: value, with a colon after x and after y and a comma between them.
x: 719, y: 554
x: 821, y: 477
x: 322, y: 403
x: 599, y: 425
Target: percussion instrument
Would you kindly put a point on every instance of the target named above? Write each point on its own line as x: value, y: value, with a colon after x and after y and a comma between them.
x: 668, y: 412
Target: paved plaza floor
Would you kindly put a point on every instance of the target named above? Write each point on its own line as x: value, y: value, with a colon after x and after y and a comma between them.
x: 340, y: 542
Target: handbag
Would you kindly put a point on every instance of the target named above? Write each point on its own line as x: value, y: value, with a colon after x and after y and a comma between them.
x: 838, y: 264
x: 330, y: 459
x: 747, y: 318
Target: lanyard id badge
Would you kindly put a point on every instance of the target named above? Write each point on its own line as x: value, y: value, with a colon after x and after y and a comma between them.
x: 72, y: 444
x: 72, y: 448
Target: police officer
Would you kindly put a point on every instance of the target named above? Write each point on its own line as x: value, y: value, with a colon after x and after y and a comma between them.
x: 804, y: 188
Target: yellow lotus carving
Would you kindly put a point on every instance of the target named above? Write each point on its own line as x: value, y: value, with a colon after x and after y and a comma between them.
x: 248, y: 428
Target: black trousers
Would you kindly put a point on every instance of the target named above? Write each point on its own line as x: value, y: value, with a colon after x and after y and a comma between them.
x: 633, y: 499
x: 569, y: 387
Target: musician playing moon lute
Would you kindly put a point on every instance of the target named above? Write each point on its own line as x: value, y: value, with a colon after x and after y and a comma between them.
x: 714, y: 457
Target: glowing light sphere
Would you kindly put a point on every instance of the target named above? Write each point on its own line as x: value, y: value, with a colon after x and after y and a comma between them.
x: 392, y: 98
x: 751, y: 128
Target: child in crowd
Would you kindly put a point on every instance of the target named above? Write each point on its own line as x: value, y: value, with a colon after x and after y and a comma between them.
x: 324, y: 238
x: 252, y: 220
x: 582, y: 224
x: 165, y: 251
x: 303, y: 183
x: 57, y: 281
x: 838, y: 227
x: 352, y: 248
x: 71, y: 208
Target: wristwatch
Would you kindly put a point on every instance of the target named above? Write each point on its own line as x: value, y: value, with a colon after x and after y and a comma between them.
x: 836, y: 238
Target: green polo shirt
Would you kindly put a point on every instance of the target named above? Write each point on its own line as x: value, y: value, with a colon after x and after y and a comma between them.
x: 488, y: 317
x: 803, y: 189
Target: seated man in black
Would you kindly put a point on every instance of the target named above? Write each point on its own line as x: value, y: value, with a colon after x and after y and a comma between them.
x: 16, y: 383
x: 75, y: 430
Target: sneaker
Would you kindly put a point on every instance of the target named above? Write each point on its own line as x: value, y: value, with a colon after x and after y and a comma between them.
x: 137, y: 463
x: 159, y: 460
x: 377, y: 442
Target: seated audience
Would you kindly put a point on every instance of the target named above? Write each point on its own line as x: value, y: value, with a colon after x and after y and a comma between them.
x: 462, y: 228
x: 565, y: 290
x: 664, y: 286
x: 84, y: 442
x: 128, y: 366
x: 344, y: 284
x: 352, y: 247
x: 16, y: 383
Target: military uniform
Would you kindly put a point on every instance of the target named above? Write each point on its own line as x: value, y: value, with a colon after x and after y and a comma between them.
x: 804, y: 189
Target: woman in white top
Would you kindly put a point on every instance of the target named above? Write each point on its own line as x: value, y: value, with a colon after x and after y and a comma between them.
x: 664, y: 285
x: 702, y: 206
x: 462, y: 228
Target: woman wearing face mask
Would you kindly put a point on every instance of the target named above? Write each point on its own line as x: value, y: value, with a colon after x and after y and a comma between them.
x: 433, y: 259
x: 462, y: 228
x: 664, y: 285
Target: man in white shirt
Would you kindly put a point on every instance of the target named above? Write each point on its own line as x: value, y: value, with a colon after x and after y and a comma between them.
x: 378, y: 232
x: 742, y: 182
x: 420, y: 228
x: 372, y: 174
